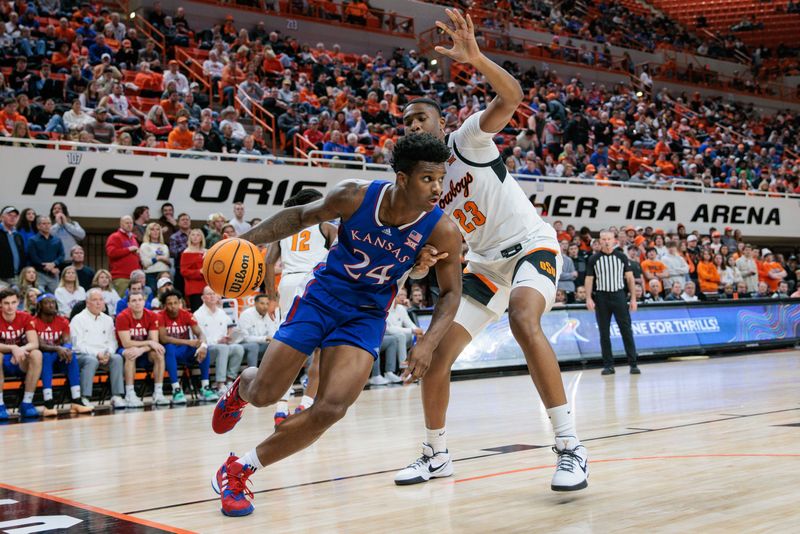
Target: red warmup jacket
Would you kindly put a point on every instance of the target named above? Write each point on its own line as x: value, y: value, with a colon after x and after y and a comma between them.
x: 121, y: 260
x: 192, y: 272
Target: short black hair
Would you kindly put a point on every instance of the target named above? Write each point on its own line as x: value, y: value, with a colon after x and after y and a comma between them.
x: 304, y: 196
x: 170, y: 293
x: 428, y: 101
x: 418, y: 147
x: 260, y: 296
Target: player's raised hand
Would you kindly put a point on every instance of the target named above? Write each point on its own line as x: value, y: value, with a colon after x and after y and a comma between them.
x: 465, y: 48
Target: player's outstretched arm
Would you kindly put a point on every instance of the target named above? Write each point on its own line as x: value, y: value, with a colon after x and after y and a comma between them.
x: 447, y: 239
x: 465, y: 50
x: 273, y: 255
x: 342, y: 201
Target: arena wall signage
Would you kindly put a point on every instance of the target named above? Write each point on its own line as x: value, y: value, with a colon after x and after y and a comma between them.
x: 107, y: 184
x: 659, y: 330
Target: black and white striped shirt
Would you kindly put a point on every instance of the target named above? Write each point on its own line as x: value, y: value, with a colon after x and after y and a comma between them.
x: 608, y: 270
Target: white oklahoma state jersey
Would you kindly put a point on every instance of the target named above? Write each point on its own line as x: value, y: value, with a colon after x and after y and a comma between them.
x: 303, y: 251
x: 491, y: 209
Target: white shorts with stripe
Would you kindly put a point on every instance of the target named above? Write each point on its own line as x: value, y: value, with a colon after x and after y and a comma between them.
x: 290, y: 286
x: 487, y: 286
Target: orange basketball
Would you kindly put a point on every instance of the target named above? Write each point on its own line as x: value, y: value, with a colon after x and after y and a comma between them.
x: 233, y: 268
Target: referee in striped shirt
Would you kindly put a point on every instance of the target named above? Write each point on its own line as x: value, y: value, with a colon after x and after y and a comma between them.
x: 607, y: 272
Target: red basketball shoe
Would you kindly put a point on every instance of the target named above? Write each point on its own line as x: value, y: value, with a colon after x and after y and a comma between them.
x: 220, y: 481
x: 229, y: 409
x: 236, y: 496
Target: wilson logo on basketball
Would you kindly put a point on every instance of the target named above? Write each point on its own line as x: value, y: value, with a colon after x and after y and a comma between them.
x: 456, y: 188
x: 240, y: 275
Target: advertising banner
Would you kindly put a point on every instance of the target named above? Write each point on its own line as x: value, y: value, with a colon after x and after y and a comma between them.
x: 108, y: 184
x: 662, y: 330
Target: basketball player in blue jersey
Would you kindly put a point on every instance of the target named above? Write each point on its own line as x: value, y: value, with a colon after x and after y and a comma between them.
x: 343, y: 309
x: 513, y: 263
x: 299, y: 254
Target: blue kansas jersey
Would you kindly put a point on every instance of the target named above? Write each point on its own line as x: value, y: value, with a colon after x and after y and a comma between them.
x: 363, y: 269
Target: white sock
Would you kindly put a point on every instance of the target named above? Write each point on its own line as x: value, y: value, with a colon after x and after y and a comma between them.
x: 203, y: 383
x: 562, y: 421
x: 75, y: 392
x: 437, y: 439
x: 27, y: 397
x: 282, y: 407
x: 2, y: 402
x: 307, y: 402
x: 130, y: 390
x: 251, y: 459
x: 176, y: 386
x: 158, y: 389
x: 47, y: 394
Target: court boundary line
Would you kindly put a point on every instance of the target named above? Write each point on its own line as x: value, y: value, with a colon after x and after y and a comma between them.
x: 96, y: 509
x: 476, y: 457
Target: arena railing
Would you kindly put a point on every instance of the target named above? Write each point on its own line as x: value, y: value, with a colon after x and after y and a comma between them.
x: 359, y: 161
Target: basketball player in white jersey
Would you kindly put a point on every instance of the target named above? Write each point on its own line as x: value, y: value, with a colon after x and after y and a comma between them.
x: 299, y: 255
x: 514, y: 262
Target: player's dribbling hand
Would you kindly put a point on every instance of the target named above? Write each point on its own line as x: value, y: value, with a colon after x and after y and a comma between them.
x: 418, y: 363
x: 428, y: 257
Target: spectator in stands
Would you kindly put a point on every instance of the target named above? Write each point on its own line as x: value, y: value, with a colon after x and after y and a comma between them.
x: 19, y: 347
x: 12, y: 247
x: 652, y: 268
x: 748, y: 269
x: 259, y: 323
x: 762, y: 292
x: 248, y: 153
x: 46, y: 254
x: 569, y: 272
x: 707, y: 273
x: 239, y: 224
x: 174, y: 75
x: 782, y: 292
x: 232, y: 76
x: 69, y: 292
x: 675, y: 292
x: 212, y: 68
x: 168, y: 222
x: 102, y: 281
x: 191, y: 268
x: 102, y: 131
x: 122, y: 250
x: 180, y: 138
x: 150, y: 83
x: 177, y: 244
x: 770, y: 271
x: 64, y: 228
x: 229, y: 116
x: 217, y: 328
x: 137, y: 329
x: 728, y: 272
x: 54, y: 342
x: 213, y: 229
x: 677, y: 268
x: 85, y: 273
x: 289, y: 123
x: 154, y: 254
x: 689, y: 292
x: 653, y: 291
x: 76, y: 119
x: 184, y: 343
x: 119, y: 109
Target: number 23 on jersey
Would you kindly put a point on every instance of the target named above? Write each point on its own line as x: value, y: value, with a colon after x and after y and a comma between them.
x: 470, y: 220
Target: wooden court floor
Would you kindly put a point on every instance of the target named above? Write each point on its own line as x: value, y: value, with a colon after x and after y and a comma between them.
x: 695, y: 446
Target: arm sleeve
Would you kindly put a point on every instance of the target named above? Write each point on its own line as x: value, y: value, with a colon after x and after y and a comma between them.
x: 75, y: 229
x: 470, y: 135
x: 590, y: 266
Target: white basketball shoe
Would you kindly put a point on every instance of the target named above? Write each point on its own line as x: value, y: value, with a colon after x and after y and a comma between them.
x: 572, y: 468
x: 429, y: 465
